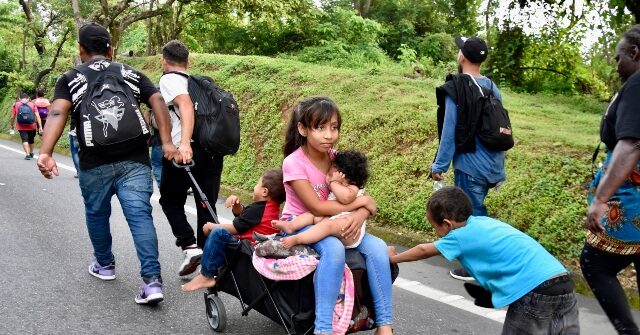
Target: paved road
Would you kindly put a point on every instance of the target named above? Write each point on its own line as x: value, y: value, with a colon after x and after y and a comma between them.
x: 45, y: 288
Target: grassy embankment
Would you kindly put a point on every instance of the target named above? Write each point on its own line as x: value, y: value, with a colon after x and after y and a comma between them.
x: 392, y: 118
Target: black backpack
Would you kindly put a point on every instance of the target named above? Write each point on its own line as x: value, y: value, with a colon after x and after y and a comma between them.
x: 217, y: 119
x: 494, y: 130
x: 25, y: 115
x: 109, y: 113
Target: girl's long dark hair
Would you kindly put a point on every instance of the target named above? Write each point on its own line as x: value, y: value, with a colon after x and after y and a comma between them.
x: 310, y: 112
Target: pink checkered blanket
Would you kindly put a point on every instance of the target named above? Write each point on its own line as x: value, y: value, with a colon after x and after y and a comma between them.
x: 297, y: 267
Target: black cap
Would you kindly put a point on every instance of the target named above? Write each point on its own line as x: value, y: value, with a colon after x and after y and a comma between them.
x: 473, y: 48
x: 94, y: 37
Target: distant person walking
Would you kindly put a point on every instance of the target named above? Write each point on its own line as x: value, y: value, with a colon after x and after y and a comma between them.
x: 613, y: 237
x: 74, y: 146
x: 25, y: 119
x: 114, y: 155
x: 175, y: 181
x: 42, y: 104
x: 476, y: 167
x: 156, y: 149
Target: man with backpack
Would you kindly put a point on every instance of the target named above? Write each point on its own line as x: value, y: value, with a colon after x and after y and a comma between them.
x: 187, y: 98
x: 42, y: 104
x: 474, y: 130
x: 104, y: 100
x: 25, y: 118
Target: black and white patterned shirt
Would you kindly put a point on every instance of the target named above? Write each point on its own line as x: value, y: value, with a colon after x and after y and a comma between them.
x: 72, y: 85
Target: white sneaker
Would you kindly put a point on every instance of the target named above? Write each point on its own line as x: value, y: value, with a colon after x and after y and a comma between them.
x: 191, y: 261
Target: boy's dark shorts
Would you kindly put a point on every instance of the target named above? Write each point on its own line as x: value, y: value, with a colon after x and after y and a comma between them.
x: 27, y: 136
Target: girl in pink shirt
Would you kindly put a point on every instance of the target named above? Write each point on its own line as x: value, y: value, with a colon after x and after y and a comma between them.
x: 313, y: 130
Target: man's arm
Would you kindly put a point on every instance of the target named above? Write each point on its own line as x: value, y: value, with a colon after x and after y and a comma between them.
x: 624, y: 159
x: 420, y: 251
x: 39, y: 128
x: 187, y: 119
x: 12, y: 118
x: 447, y: 146
x: 161, y: 115
x: 56, y: 122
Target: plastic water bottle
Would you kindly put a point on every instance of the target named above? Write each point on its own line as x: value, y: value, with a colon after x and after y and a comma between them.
x: 438, y: 185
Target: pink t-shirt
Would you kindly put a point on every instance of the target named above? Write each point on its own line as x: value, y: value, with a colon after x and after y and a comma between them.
x: 297, y: 166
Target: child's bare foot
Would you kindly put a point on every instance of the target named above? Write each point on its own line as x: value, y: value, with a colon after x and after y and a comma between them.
x: 197, y: 283
x: 284, y: 226
x: 289, y: 241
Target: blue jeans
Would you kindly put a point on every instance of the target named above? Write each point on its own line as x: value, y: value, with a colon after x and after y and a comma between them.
x: 329, y: 273
x: 73, y: 147
x: 214, y: 251
x: 537, y: 314
x: 156, y: 162
x: 476, y: 189
x: 131, y: 183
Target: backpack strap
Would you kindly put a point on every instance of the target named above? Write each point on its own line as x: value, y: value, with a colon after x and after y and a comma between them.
x: 476, y: 83
x: 594, y: 157
x: 177, y: 72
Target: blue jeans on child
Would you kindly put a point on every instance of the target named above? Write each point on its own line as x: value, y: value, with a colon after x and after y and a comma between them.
x: 131, y: 183
x: 329, y: 273
x: 475, y: 188
x: 214, y: 251
x: 538, y: 314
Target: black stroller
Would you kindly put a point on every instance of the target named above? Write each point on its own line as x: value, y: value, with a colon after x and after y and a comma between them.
x: 288, y: 303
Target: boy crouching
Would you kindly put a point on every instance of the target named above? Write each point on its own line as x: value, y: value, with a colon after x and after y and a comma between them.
x: 515, y: 269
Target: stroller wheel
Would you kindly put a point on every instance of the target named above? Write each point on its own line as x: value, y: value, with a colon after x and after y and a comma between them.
x: 216, y: 313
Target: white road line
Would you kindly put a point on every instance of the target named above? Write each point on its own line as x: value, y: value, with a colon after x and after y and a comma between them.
x: 60, y: 165
x: 415, y: 287
x: 447, y: 298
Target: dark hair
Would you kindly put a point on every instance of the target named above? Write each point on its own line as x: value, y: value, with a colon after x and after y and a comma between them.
x: 272, y: 181
x: 175, y: 52
x: 310, y: 112
x: 39, y: 93
x: 449, y: 203
x: 354, y: 165
x: 632, y: 35
x: 24, y: 95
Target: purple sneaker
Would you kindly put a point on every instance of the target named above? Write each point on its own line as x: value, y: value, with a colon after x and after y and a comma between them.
x: 150, y: 291
x: 107, y: 272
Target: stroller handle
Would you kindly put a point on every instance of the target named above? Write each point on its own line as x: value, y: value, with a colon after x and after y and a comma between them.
x: 183, y: 166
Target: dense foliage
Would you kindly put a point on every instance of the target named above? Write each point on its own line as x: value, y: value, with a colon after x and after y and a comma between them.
x: 380, y: 59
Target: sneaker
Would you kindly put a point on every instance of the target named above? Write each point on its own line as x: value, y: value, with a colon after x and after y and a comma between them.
x: 191, y: 261
x: 150, y: 291
x: 461, y: 274
x: 31, y: 155
x: 103, y: 272
x: 27, y: 157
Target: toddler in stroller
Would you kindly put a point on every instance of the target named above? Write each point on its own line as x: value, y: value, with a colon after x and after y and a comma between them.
x: 268, y: 194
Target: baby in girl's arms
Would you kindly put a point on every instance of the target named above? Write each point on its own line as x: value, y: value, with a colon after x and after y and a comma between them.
x: 346, y: 180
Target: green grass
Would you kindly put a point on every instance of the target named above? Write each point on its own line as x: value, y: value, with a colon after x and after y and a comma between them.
x: 393, y: 119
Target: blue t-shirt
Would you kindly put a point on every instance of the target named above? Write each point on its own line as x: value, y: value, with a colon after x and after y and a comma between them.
x: 502, y: 259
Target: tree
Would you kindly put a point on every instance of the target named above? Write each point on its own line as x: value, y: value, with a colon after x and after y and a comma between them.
x: 38, y: 27
x: 119, y: 16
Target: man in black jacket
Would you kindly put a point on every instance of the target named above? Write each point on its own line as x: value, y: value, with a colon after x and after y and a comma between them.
x: 476, y: 168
